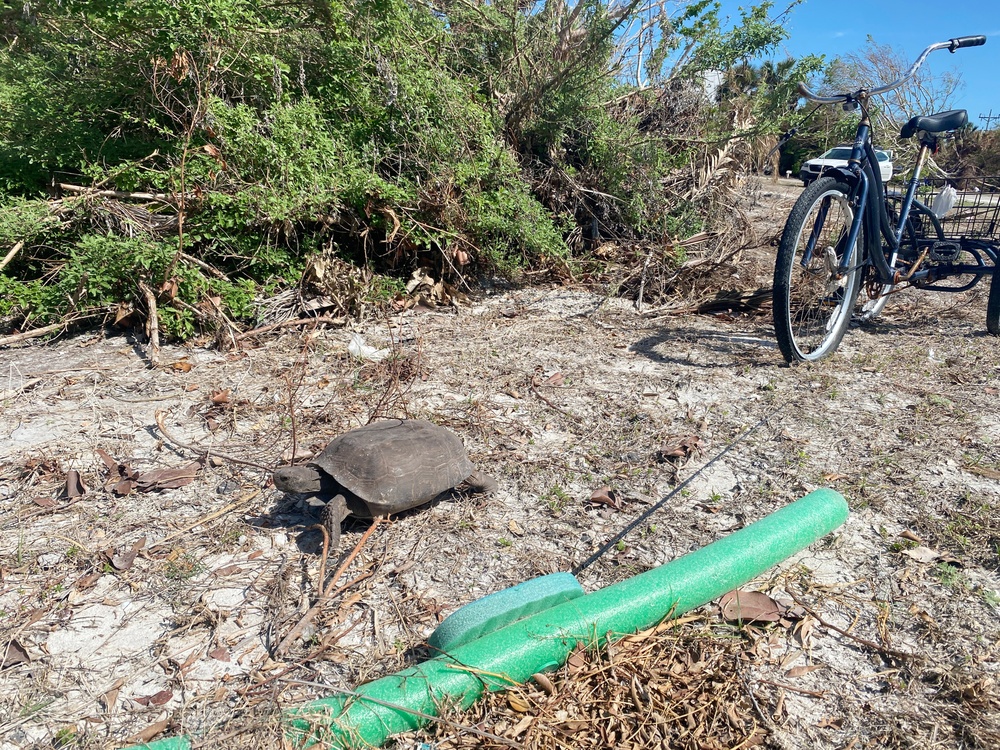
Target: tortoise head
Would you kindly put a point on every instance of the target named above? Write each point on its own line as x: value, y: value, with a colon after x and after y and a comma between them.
x: 304, y: 479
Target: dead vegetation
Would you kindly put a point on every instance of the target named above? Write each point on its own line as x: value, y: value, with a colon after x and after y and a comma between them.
x: 197, y: 600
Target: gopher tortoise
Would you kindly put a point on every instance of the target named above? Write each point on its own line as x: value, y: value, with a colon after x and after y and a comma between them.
x: 385, y: 467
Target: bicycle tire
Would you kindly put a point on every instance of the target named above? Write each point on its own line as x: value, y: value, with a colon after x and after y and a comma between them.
x: 993, y: 303
x: 812, y: 307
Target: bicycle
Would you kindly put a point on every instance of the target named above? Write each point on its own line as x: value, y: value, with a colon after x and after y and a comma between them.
x: 849, y: 243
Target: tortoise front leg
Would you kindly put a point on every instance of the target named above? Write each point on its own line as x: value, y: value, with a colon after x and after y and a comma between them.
x: 333, y: 514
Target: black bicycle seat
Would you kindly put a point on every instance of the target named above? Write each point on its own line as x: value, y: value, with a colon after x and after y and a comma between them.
x: 940, y: 123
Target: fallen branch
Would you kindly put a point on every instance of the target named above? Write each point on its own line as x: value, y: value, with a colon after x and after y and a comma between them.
x: 292, y: 324
x: 309, y: 616
x: 212, y: 270
x: 82, y: 190
x: 205, y: 452
x: 152, y: 324
x: 32, y: 334
x: 10, y: 256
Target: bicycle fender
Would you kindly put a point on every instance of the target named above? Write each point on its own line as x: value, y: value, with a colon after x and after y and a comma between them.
x: 842, y: 173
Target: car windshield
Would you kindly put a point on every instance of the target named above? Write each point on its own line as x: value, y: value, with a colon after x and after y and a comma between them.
x: 837, y: 153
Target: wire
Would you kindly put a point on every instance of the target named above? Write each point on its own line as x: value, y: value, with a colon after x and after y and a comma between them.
x: 618, y: 537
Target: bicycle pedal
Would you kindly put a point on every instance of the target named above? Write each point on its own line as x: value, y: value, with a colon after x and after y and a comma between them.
x: 945, y: 251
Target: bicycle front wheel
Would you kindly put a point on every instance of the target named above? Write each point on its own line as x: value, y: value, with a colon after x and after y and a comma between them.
x: 813, y: 303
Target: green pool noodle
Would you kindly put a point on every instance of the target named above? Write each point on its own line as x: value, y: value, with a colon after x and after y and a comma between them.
x: 543, y: 641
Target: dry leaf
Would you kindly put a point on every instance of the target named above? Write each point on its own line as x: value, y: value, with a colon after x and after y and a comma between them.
x: 219, y: 654
x: 749, y: 606
x: 577, y: 660
x: 228, y: 570
x: 515, y: 529
x: 124, y: 487
x: 111, y: 696
x: 835, y: 477
x: 910, y: 536
x: 15, y: 654
x: 681, y: 446
x: 556, y: 378
x: 606, y: 496
x: 167, y: 479
x: 44, y: 502
x: 220, y: 397
x: 522, y: 726
x: 922, y: 554
x: 518, y: 703
x: 87, y: 581
x: 109, y: 462
x: 831, y: 722
x: 149, y: 732
x: 804, y: 669
x: 544, y: 683
x: 123, y: 561
x: 805, y: 628
x: 157, y: 699
x: 74, y: 484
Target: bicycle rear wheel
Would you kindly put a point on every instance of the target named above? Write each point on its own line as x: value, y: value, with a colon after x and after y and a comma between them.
x: 812, y: 304
x: 993, y: 302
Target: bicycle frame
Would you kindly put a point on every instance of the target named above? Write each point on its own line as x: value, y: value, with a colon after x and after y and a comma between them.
x: 868, y: 198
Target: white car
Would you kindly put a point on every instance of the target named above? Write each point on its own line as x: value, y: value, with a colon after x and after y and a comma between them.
x: 837, y: 157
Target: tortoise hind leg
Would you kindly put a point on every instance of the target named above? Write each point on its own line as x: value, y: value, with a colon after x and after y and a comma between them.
x: 481, y: 483
x: 333, y: 514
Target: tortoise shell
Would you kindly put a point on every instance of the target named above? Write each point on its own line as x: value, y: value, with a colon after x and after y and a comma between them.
x: 396, y: 464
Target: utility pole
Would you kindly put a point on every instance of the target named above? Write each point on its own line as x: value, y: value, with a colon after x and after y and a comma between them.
x: 990, y: 118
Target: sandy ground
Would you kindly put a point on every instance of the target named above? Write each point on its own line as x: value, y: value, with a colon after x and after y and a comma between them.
x: 158, y: 608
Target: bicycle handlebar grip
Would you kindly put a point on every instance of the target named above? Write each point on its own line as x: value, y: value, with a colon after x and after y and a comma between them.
x: 966, y: 41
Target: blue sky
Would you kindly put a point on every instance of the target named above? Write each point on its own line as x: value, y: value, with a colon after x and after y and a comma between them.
x: 837, y: 27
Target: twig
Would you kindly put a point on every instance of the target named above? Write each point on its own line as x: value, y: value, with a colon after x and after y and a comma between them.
x: 10, y: 256
x: 321, y: 581
x: 212, y: 270
x: 292, y: 323
x: 534, y: 389
x: 329, y: 640
x: 884, y: 650
x: 205, y: 452
x: 210, y: 517
x: 309, y: 616
x: 152, y: 324
x: 803, y: 691
x: 642, y: 281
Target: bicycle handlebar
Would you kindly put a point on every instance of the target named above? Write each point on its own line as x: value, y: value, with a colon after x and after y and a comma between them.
x: 967, y: 41
x: 951, y: 45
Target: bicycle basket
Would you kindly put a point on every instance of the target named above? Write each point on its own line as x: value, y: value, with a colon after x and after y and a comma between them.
x: 976, y: 210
